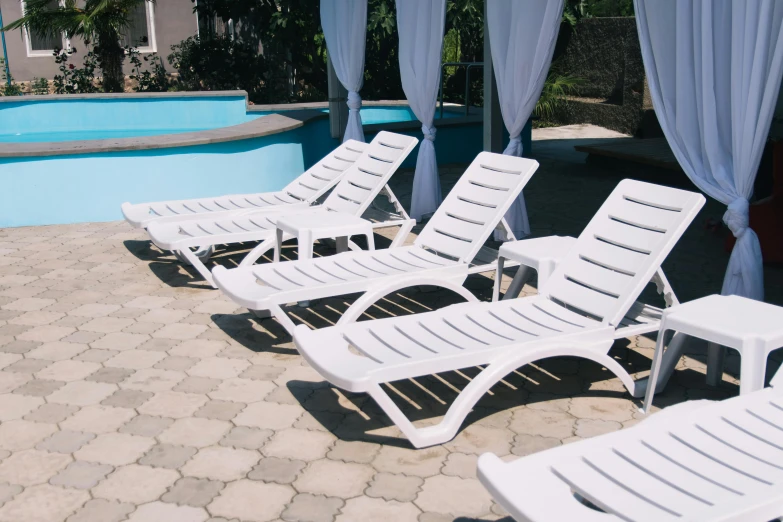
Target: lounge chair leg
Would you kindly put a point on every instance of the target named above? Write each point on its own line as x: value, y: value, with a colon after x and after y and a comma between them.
x: 371, y: 296
x: 402, y: 234
x: 518, y: 283
x: 258, y: 251
x: 283, y: 318
x: 664, y: 370
x: 196, y: 263
x: 475, y: 390
x: 498, y: 279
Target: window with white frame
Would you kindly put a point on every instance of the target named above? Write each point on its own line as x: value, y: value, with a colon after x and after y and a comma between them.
x: 43, y: 44
x: 140, y: 32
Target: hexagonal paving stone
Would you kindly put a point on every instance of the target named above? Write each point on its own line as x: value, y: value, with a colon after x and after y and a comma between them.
x: 116, y: 449
x: 269, y: 415
x: 81, y: 475
x: 66, y: 441
x: 221, y: 463
x: 43, y: 503
x: 175, y: 405
x: 455, y: 496
x: 280, y: 471
x: 294, y: 443
x: 246, y: 438
x: 167, y: 456
x: 364, y: 508
x: 101, y: 510
x: 19, y: 435
x: 313, y: 508
x: 334, y: 478
x: 424, y: 462
x: 98, y: 419
x: 136, y: 484
x: 30, y: 467
x: 195, y: 432
x: 192, y: 491
x: 251, y: 501
x: 394, y: 487
x: 162, y: 512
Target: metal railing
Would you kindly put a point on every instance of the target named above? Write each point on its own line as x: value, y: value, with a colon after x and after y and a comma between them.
x: 469, y: 66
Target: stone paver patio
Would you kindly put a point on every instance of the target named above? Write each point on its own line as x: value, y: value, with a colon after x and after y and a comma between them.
x: 131, y: 391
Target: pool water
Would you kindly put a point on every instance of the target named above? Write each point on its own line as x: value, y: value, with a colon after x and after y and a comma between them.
x: 383, y: 114
x: 59, y: 119
x: 34, y: 137
x: 64, y: 120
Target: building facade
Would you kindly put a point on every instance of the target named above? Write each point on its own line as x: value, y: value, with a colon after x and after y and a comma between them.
x: 155, y: 27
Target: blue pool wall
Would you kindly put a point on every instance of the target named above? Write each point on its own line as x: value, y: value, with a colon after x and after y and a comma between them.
x: 91, y: 187
x: 61, y: 115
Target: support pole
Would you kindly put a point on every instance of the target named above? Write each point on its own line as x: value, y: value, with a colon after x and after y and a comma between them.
x: 338, y: 109
x: 493, y: 121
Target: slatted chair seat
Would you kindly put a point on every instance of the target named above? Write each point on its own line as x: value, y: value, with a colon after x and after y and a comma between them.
x: 441, y: 254
x: 359, y: 185
x: 580, y: 312
x: 301, y: 192
x: 263, y: 285
x: 697, y: 461
x: 455, y: 337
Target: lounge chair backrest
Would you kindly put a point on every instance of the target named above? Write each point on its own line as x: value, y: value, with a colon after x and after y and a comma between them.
x: 322, y: 176
x: 476, y: 205
x: 619, y: 251
x: 364, y: 179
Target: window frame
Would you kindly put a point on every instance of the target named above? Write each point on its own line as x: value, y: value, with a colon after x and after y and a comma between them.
x: 152, y: 44
x: 28, y: 42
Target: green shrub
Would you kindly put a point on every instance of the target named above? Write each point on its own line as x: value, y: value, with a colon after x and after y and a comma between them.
x: 152, y: 79
x: 39, y: 86
x: 219, y: 63
x: 7, y: 85
x: 72, y: 79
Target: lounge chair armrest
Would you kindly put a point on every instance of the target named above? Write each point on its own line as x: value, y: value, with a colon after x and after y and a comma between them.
x: 371, y: 296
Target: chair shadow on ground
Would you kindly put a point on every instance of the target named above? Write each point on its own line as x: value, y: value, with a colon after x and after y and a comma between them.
x: 425, y: 400
x: 173, y: 272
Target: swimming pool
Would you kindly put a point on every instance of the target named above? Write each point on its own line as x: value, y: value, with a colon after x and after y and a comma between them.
x: 77, y: 158
x: 378, y: 114
x: 63, y: 118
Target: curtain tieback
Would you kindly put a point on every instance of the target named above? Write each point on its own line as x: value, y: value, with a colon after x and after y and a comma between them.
x: 514, y: 147
x: 354, y: 101
x: 429, y: 132
x: 736, y: 217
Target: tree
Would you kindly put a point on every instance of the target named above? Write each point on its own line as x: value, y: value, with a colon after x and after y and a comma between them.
x: 101, y: 23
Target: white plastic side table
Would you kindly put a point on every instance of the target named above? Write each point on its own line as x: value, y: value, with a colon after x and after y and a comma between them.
x: 308, y: 227
x: 540, y: 254
x: 751, y: 327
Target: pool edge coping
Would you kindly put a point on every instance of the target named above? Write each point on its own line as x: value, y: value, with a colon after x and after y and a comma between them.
x: 289, y: 117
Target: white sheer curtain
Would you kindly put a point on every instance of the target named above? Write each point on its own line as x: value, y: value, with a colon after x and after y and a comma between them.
x: 522, y: 36
x: 345, y: 25
x: 420, y: 25
x: 714, y: 70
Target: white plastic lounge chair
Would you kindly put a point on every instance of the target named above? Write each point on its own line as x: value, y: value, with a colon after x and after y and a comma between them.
x: 699, y: 461
x: 441, y: 254
x: 580, y: 312
x: 357, y: 189
x: 301, y: 192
